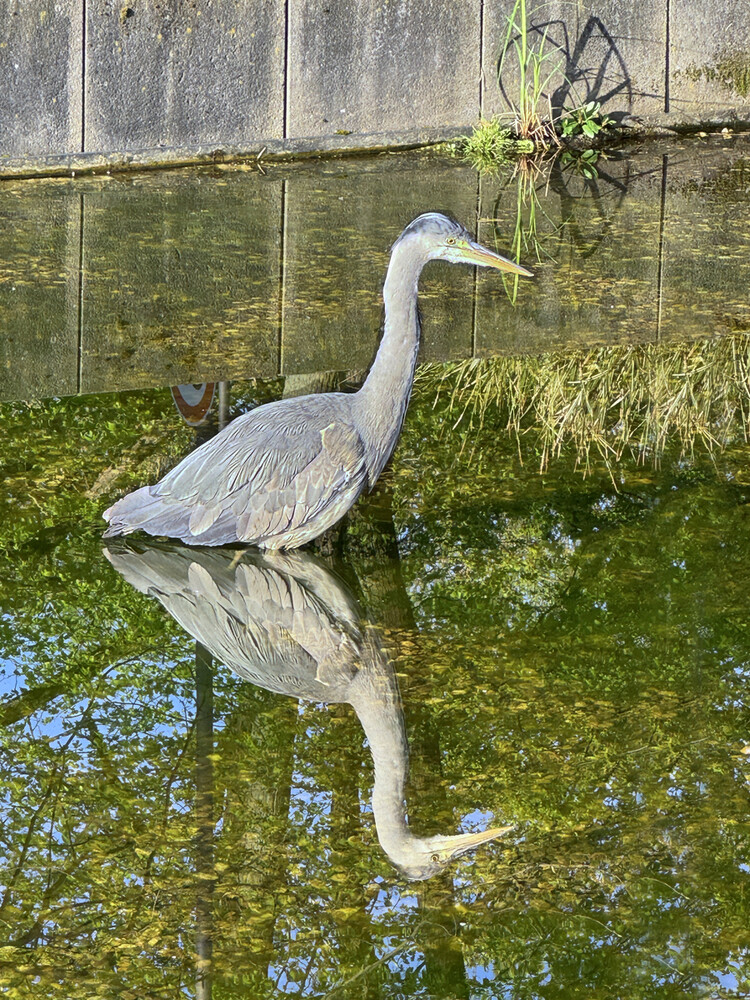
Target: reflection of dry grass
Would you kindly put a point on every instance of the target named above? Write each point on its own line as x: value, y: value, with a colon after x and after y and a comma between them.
x: 609, y: 400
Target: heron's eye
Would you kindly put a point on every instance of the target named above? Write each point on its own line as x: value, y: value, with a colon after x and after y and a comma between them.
x: 436, y: 857
x: 451, y: 240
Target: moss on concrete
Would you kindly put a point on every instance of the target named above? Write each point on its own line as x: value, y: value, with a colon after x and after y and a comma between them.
x: 731, y: 71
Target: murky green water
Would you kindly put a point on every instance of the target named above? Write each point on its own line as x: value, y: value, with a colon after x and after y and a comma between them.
x: 572, y: 654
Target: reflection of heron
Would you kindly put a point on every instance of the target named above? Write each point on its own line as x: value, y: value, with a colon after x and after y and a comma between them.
x: 286, y: 623
x: 280, y: 475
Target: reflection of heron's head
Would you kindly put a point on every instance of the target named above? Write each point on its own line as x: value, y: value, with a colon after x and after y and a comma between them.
x: 437, y: 237
x: 422, y: 857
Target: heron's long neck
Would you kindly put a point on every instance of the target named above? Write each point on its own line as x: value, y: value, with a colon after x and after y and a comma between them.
x: 376, y: 700
x: 383, y: 399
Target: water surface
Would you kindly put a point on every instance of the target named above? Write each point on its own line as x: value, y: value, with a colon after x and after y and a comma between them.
x: 134, y: 281
x: 571, y: 650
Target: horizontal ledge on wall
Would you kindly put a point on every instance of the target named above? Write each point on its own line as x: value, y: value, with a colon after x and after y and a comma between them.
x: 163, y: 157
x: 684, y: 122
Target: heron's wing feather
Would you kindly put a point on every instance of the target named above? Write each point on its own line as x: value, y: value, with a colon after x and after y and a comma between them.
x: 331, y: 477
x: 251, y: 450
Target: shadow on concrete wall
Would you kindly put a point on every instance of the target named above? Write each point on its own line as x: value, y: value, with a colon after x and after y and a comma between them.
x: 591, y: 68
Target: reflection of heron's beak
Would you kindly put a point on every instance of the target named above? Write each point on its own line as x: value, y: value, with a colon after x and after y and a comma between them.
x: 475, y: 253
x: 455, y: 846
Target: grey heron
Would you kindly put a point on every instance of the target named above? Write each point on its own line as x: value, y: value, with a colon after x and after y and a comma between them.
x: 282, y: 474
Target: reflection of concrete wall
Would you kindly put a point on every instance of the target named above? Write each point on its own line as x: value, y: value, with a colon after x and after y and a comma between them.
x: 107, y: 76
x: 156, y: 279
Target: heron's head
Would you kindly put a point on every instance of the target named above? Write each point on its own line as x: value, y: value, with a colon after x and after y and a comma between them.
x: 419, y: 858
x: 441, y: 238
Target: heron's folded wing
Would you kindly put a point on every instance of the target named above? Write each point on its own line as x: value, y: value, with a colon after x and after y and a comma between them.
x: 329, y: 482
x: 271, y: 473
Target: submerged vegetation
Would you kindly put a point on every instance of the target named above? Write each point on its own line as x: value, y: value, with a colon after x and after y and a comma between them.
x: 607, y: 401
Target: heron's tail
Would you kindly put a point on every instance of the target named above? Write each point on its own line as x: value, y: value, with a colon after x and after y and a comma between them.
x: 138, y: 510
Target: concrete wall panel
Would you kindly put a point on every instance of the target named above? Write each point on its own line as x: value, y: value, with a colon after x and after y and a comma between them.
x: 110, y: 78
x: 709, y: 58
x: 169, y: 73
x: 40, y: 69
x: 606, y: 51
x: 360, y: 66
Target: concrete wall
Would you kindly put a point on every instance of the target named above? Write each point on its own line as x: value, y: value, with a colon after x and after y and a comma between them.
x: 117, y: 76
x: 166, y: 277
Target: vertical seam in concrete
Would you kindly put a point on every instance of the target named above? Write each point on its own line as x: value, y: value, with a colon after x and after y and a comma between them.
x: 83, y: 79
x: 79, y: 373
x: 481, y: 61
x: 285, y: 130
x: 660, y: 266
x: 666, y: 58
x: 475, y: 309
x: 282, y: 280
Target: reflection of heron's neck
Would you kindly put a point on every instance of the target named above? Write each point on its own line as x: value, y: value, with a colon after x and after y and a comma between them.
x: 375, y: 698
x: 383, y: 399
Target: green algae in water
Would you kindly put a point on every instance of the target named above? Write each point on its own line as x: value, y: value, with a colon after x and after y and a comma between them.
x: 573, y: 659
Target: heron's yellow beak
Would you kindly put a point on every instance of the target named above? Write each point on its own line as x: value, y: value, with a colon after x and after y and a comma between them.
x: 475, y: 253
x: 452, y: 847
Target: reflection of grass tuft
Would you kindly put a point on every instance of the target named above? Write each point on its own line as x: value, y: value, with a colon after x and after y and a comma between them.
x: 526, y: 174
x: 608, y: 400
